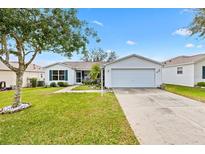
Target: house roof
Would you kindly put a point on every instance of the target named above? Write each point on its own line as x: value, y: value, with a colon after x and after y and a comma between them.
x: 184, y: 60
x: 31, y: 67
x: 134, y: 55
x: 79, y: 65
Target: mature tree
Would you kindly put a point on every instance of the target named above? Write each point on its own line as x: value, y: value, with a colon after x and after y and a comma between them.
x: 111, y: 56
x: 95, y: 71
x: 198, y: 24
x: 99, y: 54
x: 25, y: 33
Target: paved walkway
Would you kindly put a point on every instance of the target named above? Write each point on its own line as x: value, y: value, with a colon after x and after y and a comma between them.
x: 160, y: 117
x: 69, y: 90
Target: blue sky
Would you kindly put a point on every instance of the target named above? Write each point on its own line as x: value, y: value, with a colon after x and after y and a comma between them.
x: 159, y: 34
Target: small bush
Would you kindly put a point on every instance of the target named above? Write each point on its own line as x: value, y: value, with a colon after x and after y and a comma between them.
x: 53, y: 84
x: 33, y: 82
x: 163, y: 86
x: 87, y: 82
x: 201, y: 84
x: 66, y: 84
x: 41, y: 83
x: 63, y: 84
x: 46, y: 86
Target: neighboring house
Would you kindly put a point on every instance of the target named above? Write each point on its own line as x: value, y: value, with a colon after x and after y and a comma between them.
x: 33, y: 71
x: 133, y: 71
x: 70, y: 72
x: 184, y: 70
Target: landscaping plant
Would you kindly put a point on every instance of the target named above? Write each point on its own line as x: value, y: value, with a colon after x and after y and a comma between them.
x: 33, y: 82
x: 53, y: 84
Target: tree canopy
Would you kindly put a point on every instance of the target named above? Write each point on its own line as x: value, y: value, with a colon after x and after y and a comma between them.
x: 99, y: 54
x: 25, y: 33
x: 198, y: 23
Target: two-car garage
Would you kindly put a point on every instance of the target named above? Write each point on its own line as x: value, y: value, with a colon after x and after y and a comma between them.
x: 133, y: 71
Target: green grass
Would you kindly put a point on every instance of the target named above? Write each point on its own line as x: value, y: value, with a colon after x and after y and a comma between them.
x: 86, y: 87
x: 65, y: 118
x: 191, y: 92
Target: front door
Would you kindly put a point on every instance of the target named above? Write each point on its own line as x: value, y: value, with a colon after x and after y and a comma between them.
x: 78, y: 76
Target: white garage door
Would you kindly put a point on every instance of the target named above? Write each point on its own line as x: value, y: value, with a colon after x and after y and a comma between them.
x: 133, y: 78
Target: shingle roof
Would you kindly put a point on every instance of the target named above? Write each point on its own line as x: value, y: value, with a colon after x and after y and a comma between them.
x: 79, y: 65
x: 183, y: 60
x: 31, y: 67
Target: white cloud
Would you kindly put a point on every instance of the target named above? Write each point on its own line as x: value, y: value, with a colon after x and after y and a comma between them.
x: 186, y: 11
x: 98, y: 23
x: 129, y: 42
x: 189, y: 45
x: 182, y: 32
x: 199, y: 46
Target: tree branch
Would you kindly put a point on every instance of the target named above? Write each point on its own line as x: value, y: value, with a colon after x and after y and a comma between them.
x: 8, y: 65
x: 32, y: 58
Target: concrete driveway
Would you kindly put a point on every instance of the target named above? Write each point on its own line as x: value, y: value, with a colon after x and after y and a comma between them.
x: 160, y: 117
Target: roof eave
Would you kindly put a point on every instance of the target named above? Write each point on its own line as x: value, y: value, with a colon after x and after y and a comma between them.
x: 133, y: 55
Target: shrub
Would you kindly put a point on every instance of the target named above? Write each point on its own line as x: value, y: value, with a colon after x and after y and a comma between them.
x: 201, y: 84
x: 46, y: 86
x: 62, y: 84
x: 66, y: 84
x: 53, y: 84
x: 33, y: 82
x: 163, y: 86
x: 41, y: 83
x: 87, y: 82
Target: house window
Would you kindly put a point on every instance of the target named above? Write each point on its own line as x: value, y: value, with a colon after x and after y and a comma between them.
x: 179, y: 70
x: 61, y: 75
x: 203, y: 72
x: 55, y: 75
x: 58, y: 75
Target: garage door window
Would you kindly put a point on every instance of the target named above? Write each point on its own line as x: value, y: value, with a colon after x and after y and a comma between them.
x: 179, y: 70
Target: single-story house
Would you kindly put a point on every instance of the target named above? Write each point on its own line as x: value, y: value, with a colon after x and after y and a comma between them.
x: 184, y: 70
x: 133, y: 71
x: 33, y: 71
x: 72, y: 72
x: 130, y: 71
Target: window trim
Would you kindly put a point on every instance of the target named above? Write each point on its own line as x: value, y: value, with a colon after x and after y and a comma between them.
x: 180, y: 70
x: 58, y: 75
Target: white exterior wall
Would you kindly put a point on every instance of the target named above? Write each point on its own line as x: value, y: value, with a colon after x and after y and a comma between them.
x: 133, y: 63
x: 71, y: 74
x: 198, y: 72
x: 10, y: 77
x: 170, y: 76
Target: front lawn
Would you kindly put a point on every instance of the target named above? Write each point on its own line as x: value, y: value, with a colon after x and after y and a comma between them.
x: 86, y: 87
x: 65, y: 118
x: 191, y: 92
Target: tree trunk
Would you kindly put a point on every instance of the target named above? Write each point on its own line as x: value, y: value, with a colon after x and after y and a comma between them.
x: 19, y: 83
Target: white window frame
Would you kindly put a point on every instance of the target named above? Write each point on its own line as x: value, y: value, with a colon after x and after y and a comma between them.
x: 58, y: 75
x: 180, y: 70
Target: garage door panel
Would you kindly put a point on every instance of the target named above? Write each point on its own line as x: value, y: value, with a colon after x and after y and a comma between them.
x: 132, y: 78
